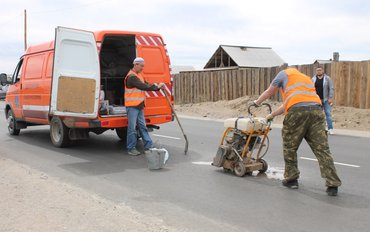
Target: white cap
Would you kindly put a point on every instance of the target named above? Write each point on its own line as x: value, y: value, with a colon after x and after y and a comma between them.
x: 138, y: 60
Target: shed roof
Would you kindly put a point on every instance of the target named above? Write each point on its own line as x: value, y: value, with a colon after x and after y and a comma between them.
x: 245, y: 56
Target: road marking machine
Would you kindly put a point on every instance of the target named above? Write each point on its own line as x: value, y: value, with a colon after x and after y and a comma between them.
x: 244, y: 143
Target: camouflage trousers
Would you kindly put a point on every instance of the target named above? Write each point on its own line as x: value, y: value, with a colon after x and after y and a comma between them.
x: 308, y: 123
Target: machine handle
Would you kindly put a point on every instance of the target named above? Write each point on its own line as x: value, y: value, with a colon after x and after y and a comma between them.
x: 269, y: 106
x: 263, y: 104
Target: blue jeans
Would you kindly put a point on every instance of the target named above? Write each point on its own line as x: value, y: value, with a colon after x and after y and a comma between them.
x: 136, y: 117
x: 327, y: 110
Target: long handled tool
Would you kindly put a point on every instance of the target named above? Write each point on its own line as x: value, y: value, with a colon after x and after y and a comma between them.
x: 178, y: 121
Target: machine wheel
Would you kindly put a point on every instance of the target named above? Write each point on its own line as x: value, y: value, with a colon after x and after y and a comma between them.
x: 264, y: 166
x: 12, y: 124
x: 122, y: 133
x: 239, y: 169
x: 59, y: 133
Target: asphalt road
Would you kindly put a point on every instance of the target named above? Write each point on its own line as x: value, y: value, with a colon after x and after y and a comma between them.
x: 190, y: 194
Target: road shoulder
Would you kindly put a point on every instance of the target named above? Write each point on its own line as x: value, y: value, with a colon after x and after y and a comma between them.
x: 34, y: 201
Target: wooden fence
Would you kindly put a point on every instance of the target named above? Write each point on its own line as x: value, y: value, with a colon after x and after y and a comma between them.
x: 351, y: 83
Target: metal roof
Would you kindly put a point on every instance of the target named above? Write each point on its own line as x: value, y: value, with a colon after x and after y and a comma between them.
x: 245, y: 56
x: 323, y: 61
x: 177, y: 69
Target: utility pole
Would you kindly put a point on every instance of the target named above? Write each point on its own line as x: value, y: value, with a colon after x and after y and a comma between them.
x: 25, y: 29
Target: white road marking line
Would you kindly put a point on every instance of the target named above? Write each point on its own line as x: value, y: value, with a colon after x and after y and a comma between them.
x: 271, y: 173
x: 202, y: 163
x: 276, y: 173
x: 167, y: 137
x: 343, y: 164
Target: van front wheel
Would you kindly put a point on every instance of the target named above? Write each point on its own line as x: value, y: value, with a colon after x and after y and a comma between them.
x: 12, y: 124
x: 59, y: 133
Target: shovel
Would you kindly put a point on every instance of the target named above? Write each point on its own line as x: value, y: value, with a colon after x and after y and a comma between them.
x: 178, y: 121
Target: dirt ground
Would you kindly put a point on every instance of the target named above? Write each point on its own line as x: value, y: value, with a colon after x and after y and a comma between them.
x: 32, y: 201
x: 343, y: 117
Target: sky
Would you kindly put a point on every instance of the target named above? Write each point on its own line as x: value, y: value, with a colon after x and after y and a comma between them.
x: 300, y: 31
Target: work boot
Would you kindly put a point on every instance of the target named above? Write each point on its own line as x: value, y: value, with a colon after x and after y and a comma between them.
x: 134, y: 152
x: 332, y: 191
x: 292, y: 184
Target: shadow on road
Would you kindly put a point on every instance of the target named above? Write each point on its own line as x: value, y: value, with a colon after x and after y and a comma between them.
x: 99, y: 155
x: 343, y: 200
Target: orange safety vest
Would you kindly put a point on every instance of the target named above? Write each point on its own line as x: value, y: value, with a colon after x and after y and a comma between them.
x: 298, y: 89
x: 133, y: 96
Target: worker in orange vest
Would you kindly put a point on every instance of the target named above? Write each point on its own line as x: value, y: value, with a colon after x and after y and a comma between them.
x: 304, y: 118
x: 135, y: 87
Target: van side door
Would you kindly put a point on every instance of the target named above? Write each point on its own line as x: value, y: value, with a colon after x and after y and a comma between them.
x: 76, y: 74
x: 33, y: 88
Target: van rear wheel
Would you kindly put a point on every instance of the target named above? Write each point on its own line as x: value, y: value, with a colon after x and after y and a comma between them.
x: 122, y: 133
x: 59, y: 133
x: 12, y: 124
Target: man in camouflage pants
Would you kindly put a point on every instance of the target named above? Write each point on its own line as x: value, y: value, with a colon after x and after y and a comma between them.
x: 304, y: 118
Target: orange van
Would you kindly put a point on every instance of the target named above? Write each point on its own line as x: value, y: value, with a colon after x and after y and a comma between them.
x: 75, y: 83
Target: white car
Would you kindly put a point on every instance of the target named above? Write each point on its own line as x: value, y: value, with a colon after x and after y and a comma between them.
x: 3, y: 90
x: 3, y: 85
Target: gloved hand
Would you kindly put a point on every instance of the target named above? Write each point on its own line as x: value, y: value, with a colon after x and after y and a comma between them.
x: 161, y: 85
x: 269, y: 117
x: 255, y: 104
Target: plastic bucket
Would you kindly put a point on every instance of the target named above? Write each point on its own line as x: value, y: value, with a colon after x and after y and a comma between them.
x: 155, y: 158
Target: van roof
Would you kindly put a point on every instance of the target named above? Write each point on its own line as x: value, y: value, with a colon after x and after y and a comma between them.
x: 99, y: 36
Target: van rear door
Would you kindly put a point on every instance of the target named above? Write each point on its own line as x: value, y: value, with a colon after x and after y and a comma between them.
x: 156, y: 70
x: 76, y: 74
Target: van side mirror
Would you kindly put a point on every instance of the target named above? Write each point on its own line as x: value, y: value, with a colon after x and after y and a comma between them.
x: 3, y: 79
